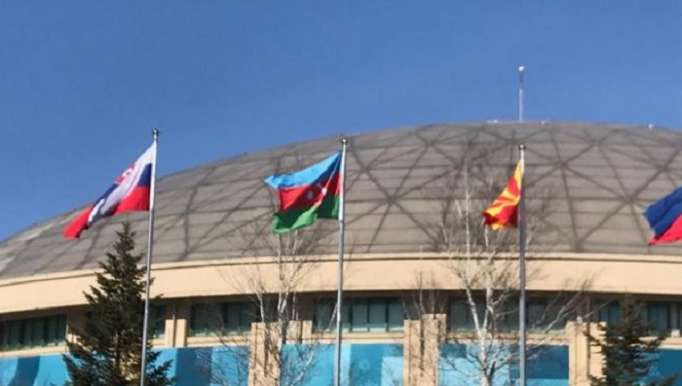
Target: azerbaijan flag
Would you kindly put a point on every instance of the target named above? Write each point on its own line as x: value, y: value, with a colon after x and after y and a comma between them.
x: 307, y: 195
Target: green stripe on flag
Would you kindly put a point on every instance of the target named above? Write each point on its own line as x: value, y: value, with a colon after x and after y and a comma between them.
x: 298, y: 218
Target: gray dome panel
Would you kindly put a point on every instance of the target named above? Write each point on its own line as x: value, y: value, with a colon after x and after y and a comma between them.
x: 598, y: 179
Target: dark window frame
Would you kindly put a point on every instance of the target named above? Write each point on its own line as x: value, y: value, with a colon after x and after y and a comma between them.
x: 507, y: 322
x: 33, y: 332
x: 348, y: 314
x: 220, y: 311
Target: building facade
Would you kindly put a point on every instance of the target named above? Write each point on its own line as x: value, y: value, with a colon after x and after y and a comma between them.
x: 407, y: 191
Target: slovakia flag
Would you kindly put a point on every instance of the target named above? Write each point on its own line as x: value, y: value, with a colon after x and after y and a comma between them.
x: 130, y: 192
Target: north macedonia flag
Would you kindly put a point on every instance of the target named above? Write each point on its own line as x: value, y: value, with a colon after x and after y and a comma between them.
x: 502, y: 213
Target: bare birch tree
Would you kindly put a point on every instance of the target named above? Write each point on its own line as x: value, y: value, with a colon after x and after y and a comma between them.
x: 282, y: 341
x: 284, y: 345
x: 289, y: 347
x: 484, y: 264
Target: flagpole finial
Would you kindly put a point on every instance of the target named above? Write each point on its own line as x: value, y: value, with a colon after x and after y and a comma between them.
x: 344, y: 140
x: 155, y: 133
x: 522, y: 146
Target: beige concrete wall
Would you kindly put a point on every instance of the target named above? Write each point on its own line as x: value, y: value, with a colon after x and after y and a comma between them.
x: 421, y: 341
x: 263, y: 369
x: 177, y: 327
x: 584, y: 360
x: 607, y: 273
x: 182, y: 283
x: 264, y: 361
x: 421, y: 349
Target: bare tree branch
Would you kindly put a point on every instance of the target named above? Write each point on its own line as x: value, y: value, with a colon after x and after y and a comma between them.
x: 482, y: 264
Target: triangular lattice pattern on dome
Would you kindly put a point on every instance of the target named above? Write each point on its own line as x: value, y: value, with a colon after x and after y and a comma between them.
x: 601, y: 179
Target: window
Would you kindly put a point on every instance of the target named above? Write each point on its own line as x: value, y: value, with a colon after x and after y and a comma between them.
x: 361, y: 315
x: 216, y: 318
x: 536, y: 314
x: 238, y: 316
x: 460, y: 316
x: 396, y: 316
x: 377, y: 315
x: 610, y: 313
x: 157, y: 320
x: 658, y: 317
x: 32, y: 332
x: 322, y: 316
x: 509, y: 316
x: 358, y: 315
x: 205, y: 319
x: 506, y: 316
x: 546, y: 315
x: 324, y: 312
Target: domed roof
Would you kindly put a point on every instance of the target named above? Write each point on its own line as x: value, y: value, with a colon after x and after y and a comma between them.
x: 595, y: 179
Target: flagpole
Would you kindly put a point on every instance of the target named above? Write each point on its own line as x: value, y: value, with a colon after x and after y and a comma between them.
x: 522, y: 270
x: 150, y: 243
x: 339, y: 278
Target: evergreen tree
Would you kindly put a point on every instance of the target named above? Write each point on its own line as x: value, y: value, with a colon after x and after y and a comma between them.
x: 108, y: 349
x: 629, y: 353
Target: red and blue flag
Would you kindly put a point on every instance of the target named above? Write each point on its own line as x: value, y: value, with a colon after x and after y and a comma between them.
x: 130, y: 192
x: 665, y: 218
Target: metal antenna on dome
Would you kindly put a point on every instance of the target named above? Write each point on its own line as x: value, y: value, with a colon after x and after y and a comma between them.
x: 522, y: 69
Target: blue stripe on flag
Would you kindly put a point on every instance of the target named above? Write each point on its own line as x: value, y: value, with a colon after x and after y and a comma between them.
x: 145, y: 176
x: 321, y: 170
x: 663, y: 213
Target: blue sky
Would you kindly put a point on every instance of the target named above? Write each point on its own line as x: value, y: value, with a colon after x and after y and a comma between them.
x: 83, y: 82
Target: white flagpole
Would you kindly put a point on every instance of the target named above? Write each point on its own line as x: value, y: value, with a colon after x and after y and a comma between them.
x: 522, y: 270
x: 150, y: 243
x: 339, y: 278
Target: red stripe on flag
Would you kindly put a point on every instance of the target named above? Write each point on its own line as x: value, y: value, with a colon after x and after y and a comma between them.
x: 672, y: 234
x: 506, y: 217
x: 302, y: 197
x: 502, y: 212
x: 78, y: 225
x: 513, y: 186
x: 137, y: 200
